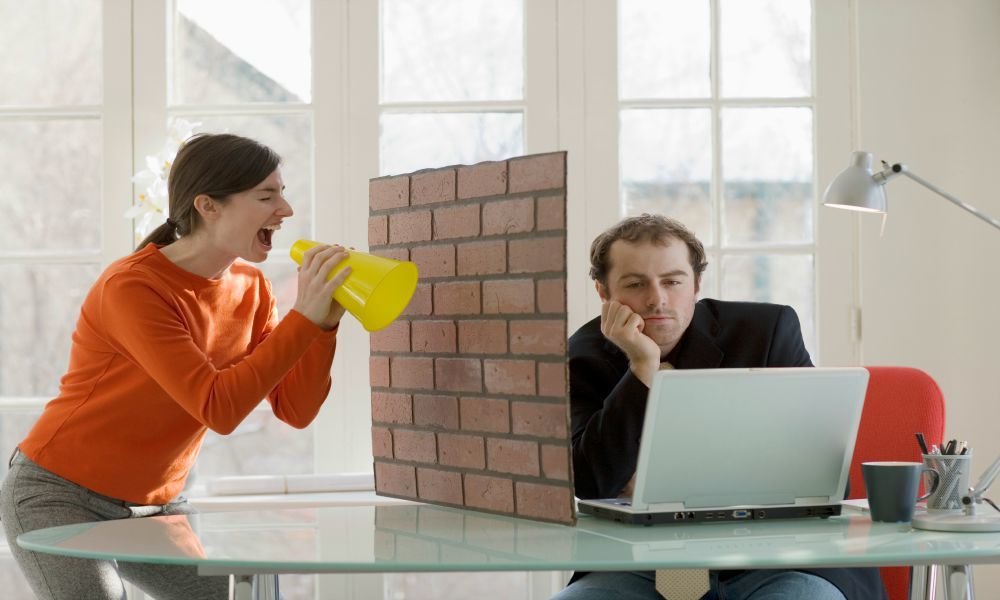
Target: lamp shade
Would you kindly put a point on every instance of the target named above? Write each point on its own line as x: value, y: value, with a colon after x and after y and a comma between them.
x: 856, y: 187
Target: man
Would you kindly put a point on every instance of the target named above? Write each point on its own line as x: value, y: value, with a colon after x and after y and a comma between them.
x: 647, y: 271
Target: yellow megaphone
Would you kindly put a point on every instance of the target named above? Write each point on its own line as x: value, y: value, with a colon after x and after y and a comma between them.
x: 376, y: 291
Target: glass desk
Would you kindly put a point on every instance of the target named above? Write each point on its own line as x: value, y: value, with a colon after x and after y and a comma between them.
x: 253, y: 546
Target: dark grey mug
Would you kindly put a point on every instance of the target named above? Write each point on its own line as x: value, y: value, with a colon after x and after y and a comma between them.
x: 893, y: 487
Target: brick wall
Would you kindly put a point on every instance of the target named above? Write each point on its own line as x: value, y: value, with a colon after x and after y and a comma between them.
x: 469, y: 398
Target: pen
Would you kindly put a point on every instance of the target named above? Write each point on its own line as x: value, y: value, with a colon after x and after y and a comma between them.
x: 950, y: 448
x: 922, y: 442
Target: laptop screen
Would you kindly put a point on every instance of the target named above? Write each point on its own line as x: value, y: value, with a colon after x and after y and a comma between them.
x: 727, y: 437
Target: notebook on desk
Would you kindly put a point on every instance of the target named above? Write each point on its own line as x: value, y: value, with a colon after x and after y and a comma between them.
x: 739, y: 444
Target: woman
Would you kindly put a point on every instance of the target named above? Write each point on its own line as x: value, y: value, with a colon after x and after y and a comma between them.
x: 172, y: 340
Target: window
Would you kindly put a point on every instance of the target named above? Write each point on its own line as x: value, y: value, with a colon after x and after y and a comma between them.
x: 716, y: 129
x: 50, y: 102
x: 452, y: 82
x: 252, y: 76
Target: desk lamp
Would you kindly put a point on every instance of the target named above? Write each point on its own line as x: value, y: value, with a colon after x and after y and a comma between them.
x: 859, y: 188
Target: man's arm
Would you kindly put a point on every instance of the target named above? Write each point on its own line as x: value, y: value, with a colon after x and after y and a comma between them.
x: 787, y: 348
x: 608, y: 405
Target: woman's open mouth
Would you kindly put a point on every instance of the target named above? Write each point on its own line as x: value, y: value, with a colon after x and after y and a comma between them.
x: 264, y: 235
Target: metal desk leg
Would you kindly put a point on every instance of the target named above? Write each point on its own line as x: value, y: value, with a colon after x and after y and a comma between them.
x: 253, y: 587
x: 241, y: 587
x: 265, y: 587
x: 958, y: 584
x: 923, y: 582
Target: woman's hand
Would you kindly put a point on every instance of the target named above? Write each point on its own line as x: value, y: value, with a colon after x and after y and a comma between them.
x: 315, y: 294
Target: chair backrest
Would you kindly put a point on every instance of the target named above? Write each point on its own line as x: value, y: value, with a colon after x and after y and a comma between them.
x: 900, y: 402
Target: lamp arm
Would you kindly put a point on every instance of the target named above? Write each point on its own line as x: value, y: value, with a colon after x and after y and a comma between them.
x: 899, y: 169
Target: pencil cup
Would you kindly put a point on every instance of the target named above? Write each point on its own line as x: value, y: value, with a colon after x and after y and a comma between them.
x: 954, y: 470
x: 376, y: 291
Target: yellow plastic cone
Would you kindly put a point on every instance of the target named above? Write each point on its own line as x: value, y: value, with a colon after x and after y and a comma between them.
x: 376, y: 291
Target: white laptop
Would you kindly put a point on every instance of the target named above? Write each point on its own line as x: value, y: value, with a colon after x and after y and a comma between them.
x: 738, y: 444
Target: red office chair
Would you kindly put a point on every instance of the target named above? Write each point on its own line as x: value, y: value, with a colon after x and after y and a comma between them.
x: 900, y: 402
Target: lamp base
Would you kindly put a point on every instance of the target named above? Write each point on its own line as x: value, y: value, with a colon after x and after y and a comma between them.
x: 957, y: 521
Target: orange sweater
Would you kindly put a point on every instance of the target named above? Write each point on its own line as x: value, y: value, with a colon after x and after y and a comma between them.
x: 159, y: 355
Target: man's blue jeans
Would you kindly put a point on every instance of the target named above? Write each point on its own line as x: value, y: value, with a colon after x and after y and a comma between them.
x: 752, y: 585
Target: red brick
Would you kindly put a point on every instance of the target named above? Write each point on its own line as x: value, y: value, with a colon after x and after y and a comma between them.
x: 393, y: 253
x: 510, y: 296
x: 410, y: 227
x: 484, y: 179
x: 551, y: 213
x: 420, y: 303
x: 394, y: 338
x: 555, y: 462
x: 456, y: 222
x: 411, y: 372
x: 391, y: 408
x: 458, y: 374
x: 539, y: 172
x: 485, y: 414
x: 515, y: 377
x: 389, y: 192
x: 541, y: 420
x: 547, y: 502
x: 432, y: 186
x: 552, y: 379
x: 378, y: 371
x: 537, y: 255
x: 538, y: 337
x: 415, y: 446
x: 482, y: 337
x: 551, y: 295
x: 518, y: 457
x: 457, y: 298
x: 466, y: 451
x: 508, y: 216
x: 489, y: 493
x: 395, y: 479
x: 381, y: 442
x: 439, y: 486
x: 482, y: 258
x: 378, y: 230
x: 434, y: 336
x: 436, y: 411
x: 434, y: 261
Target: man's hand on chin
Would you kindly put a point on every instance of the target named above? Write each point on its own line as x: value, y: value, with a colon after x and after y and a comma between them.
x: 623, y: 327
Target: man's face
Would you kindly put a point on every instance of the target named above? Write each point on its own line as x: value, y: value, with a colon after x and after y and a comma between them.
x: 657, y: 283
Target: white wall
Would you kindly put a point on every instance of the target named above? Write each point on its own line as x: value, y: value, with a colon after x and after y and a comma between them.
x: 929, y: 81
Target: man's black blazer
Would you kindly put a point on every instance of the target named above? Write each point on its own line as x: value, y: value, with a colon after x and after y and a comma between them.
x: 608, y: 402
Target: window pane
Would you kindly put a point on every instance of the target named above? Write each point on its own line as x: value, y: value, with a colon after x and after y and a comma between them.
x: 411, y: 141
x: 39, y: 304
x: 52, y: 52
x: 448, y: 50
x: 781, y: 278
x: 64, y: 213
x: 260, y: 445
x: 666, y: 165
x: 290, y: 136
x: 231, y: 51
x: 664, y: 49
x: 766, y: 48
x: 767, y: 167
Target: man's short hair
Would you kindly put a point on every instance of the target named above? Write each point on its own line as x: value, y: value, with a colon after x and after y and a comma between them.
x: 645, y: 228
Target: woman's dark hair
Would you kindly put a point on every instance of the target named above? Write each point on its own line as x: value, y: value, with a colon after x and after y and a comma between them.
x: 645, y: 228
x: 217, y: 165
